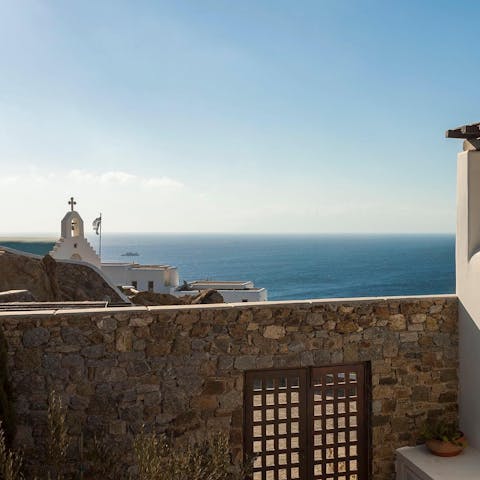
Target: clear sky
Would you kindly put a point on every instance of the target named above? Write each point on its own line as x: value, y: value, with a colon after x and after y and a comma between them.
x: 235, y: 116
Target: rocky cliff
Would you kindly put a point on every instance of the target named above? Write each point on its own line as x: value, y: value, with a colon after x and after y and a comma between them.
x: 50, y: 281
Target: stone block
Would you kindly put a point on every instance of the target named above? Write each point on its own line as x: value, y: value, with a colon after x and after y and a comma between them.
x: 107, y: 324
x: 350, y: 352
x: 398, y: 322
x: 274, y: 331
x: 448, y: 397
x: 418, y: 318
x: 35, y: 337
x: 73, y: 361
x: 94, y: 351
x: 264, y: 361
x: 140, y: 321
x: 181, y: 345
x: 204, y: 402
x: 245, y: 362
x: 420, y: 393
x: 159, y: 348
x: 245, y: 317
x: 124, y: 339
x: 213, y: 387
x: 346, y: 326
x: 378, y: 420
x: 406, y: 337
x: 200, y: 330
x: 448, y: 375
x: 225, y: 362
x: 431, y: 324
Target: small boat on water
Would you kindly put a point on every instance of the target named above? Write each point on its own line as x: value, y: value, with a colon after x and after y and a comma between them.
x: 130, y: 254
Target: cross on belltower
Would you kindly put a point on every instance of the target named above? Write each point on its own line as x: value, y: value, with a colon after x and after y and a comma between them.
x: 72, y: 203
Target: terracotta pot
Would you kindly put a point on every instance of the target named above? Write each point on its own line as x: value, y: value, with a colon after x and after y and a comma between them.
x: 446, y: 449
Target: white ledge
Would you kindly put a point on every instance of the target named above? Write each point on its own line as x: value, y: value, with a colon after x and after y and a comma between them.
x: 226, y: 306
x: 426, y: 466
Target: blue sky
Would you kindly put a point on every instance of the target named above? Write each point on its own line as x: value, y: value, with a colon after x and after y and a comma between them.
x: 235, y: 116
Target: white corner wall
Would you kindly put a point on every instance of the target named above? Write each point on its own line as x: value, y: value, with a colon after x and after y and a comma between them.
x: 468, y: 292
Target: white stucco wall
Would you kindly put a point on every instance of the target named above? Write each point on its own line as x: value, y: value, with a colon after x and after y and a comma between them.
x: 468, y: 291
x: 75, y: 249
x: 143, y: 276
x: 234, y: 296
x: 164, y: 278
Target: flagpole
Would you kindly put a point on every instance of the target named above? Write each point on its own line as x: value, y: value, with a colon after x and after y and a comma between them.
x: 100, y: 240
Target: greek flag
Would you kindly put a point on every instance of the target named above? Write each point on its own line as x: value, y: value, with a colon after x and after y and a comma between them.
x: 97, y: 223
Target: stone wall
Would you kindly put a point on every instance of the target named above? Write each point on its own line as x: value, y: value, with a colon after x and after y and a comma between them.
x: 180, y: 369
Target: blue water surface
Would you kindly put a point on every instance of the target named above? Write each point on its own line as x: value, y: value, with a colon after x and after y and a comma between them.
x: 303, y: 266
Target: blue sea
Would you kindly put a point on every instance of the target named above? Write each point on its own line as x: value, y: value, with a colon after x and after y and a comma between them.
x: 298, y: 266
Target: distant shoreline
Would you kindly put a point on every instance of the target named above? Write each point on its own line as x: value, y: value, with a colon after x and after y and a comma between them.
x: 27, y: 239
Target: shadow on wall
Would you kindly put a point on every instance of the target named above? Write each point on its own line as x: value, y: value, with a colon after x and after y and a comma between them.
x: 469, y: 376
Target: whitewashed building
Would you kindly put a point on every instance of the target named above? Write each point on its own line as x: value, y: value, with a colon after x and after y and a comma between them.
x: 73, y: 245
x: 152, y: 278
x: 231, y: 291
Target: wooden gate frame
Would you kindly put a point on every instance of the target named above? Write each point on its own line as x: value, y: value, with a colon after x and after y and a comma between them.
x: 306, y: 406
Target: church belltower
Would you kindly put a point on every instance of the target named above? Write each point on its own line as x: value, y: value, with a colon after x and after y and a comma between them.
x: 72, y: 245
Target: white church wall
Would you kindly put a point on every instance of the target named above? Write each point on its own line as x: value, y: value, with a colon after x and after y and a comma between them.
x: 72, y: 244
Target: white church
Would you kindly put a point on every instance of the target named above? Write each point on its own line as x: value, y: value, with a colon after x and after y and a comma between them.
x: 73, y: 245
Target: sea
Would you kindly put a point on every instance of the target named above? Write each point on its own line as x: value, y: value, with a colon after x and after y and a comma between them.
x: 293, y: 267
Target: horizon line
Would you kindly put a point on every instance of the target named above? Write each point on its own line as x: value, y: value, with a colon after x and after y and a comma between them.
x: 43, y: 236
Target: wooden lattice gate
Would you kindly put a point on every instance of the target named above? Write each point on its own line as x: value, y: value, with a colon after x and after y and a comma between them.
x: 308, y: 423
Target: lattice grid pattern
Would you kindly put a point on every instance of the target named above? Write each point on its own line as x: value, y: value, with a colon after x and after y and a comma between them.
x: 307, y: 423
x: 277, y: 423
x: 337, y: 424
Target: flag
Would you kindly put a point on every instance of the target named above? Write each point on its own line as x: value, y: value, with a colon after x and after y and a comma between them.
x: 97, y: 224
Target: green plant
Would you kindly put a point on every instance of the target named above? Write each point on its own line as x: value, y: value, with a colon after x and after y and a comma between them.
x: 103, y: 461
x: 11, y: 462
x: 151, y: 452
x: 156, y: 458
x: 210, y: 459
x: 57, y: 437
x: 444, y: 431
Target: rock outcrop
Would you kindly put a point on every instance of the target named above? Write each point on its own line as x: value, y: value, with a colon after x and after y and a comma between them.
x: 152, y: 298
x: 207, y: 296
x: 53, y: 281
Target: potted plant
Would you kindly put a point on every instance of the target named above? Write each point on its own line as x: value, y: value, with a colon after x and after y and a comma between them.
x: 443, y: 439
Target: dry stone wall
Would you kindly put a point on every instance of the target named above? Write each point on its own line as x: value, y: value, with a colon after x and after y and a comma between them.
x: 181, y: 369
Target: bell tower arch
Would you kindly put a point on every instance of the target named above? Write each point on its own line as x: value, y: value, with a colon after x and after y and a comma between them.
x: 72, y: 244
